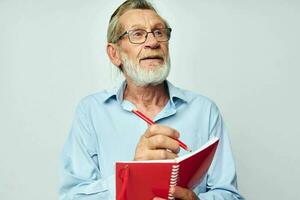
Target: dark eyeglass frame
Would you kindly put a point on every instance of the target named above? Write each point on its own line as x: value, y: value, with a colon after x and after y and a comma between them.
x: 169, y: 30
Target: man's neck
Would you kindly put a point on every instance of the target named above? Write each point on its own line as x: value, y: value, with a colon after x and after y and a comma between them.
x: 149, y: 99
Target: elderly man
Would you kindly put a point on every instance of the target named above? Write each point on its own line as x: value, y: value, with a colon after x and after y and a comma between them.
x: 105, y: 130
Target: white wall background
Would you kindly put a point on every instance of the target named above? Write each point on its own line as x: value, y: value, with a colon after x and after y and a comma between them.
x: 244, y: 54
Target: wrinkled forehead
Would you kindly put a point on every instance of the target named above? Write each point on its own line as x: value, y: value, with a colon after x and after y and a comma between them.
x: 137, y: 18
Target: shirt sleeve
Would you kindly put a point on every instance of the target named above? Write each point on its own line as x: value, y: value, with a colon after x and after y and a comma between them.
x: 80, y: 175
x: 221, y: 177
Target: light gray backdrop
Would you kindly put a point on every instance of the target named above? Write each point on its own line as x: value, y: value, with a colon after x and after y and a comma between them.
x: 242, y: 54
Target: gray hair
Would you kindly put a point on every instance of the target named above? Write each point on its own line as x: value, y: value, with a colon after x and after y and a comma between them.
x: 114, y: 27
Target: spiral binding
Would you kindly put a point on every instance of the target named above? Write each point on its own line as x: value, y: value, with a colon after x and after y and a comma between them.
x: 173, y: 180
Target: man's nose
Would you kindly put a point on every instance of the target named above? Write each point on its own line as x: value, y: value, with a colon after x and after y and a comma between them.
x: 151, y: 41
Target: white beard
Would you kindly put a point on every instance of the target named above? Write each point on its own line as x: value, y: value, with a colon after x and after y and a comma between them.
x: 144, y: 77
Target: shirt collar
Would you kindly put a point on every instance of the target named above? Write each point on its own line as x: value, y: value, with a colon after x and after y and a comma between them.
x: 177, y: 95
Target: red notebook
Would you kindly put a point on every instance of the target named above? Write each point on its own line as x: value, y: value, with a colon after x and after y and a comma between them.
x: 143, y: 180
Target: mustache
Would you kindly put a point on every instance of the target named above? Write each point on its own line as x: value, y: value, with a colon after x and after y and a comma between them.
x: 157, y: 55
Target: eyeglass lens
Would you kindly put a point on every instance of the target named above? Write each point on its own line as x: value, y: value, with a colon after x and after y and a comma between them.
x: 140, y: 35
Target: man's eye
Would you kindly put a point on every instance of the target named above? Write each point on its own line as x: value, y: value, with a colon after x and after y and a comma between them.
x: 137, y: 33
x: 158, y: 32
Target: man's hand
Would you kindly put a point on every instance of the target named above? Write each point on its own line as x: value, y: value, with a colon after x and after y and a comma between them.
x: 157, y: 143
x: 181, y: 193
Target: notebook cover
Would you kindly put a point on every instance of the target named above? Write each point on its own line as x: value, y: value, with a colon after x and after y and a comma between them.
x: 145, y: 180
x: 193, y: 169
x: 148, y: 179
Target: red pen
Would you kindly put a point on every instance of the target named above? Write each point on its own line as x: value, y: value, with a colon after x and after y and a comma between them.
x: 150, y: 122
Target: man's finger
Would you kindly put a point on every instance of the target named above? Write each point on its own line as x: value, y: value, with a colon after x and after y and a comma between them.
x: 183, y: 193
x: 163, y: 142
x: 157, y: 129
x: 161, y: 154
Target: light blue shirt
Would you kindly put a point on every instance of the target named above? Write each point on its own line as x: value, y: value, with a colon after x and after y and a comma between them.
x: 105, y: 131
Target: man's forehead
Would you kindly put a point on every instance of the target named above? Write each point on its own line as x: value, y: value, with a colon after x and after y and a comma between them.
x: 140, y: 18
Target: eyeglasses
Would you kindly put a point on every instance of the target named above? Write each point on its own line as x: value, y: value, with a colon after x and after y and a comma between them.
x: 139, y: 36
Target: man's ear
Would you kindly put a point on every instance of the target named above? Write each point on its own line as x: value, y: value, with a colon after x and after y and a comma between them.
x: 112, y: 52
